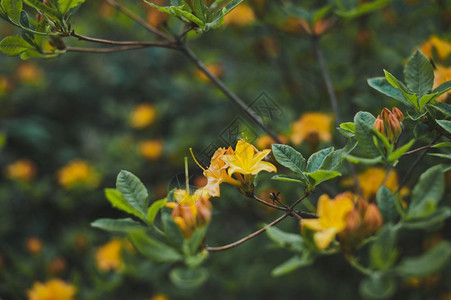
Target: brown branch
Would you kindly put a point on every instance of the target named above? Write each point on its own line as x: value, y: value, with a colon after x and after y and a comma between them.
x: 114, y: 49
x: 234, y: 98
x: 288, y: 212
x: 419, y: 149
x: 137, y: 19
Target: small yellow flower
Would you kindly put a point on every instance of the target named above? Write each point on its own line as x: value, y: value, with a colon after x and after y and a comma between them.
x: 30, y: 73
x: 142, y: 116
x: 240, y: 16
x: 108, y: 256
x: 159, y: 297
x: 215, y: 68
x: 191, y: 211
x: 151, y: 149
x: 34, y: 245
x: 441, y: 75
x: 265, y: 141
x: 217, y: 173
x: 23, y: 170
x: 331, y: 221
x: 5, y: 85
x: 78, y: 173
x: 312, y: 127
x: 372, y: 178
x: 247, y: 160
x: 442, y: 47
x: 55, y: 289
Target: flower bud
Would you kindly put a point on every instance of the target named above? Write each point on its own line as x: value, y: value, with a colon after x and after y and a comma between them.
x: 372, y: 219
x: 379, y: 125
x: 393, y: 129
x: 362, y: 205
x: 353, y: 222
x: 398, y: 114
x: 384, y: 115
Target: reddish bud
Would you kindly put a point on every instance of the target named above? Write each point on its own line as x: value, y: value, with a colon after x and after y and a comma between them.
x: 379, y: 125
x: 362, y: 205
x: 384, y: 115
x: 394, y: 128
x: 398, y: 114
x: 372, y: 219
x: 353, y: 222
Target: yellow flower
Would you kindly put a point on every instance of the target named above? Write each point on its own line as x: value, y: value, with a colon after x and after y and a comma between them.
x: 241, y: 15
x: 151, y: 149
x: 441, y: 75
x: 215, y: 68
x: 442, y: 47
x: 247, y: 160
x: 34, y: 245
x: 331, y: 221
x: 108, y: 256
x: 159, y: 297
x: 191, y: 211
x: 78, y: 173
x: 30, y: 73
x: 372, y: 178
x: 5, y: 85
x: 55, y: 289
x: 142, y: 116
x: 217, y: 173
x: 265, y: 141
x: 312, y: 127
x: 23, y: 169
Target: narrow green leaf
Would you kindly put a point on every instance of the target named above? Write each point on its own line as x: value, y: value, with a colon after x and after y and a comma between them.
x: 126, y: 225
x: 292, y: 264
x: 432, y: 222
x: 443, y: 88
x: 441, y: 110
x: 408, y: 96
x: 445, y: 125
x: 286, y: 179
x: 133, y: 191
x: 442, y: 145
x: 363, y: 160
x: 419, y: 74
x: 322, y: 175
x: 153, y: 249
x: 154, y: 209
x: 400, y: 151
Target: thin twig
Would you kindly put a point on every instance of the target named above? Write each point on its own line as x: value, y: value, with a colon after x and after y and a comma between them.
x: 123, y: 43
x: 110, y: 49
x: 419, y: 149
x: 234, y: 98
x: 137, y: 19
x: 261, y: 230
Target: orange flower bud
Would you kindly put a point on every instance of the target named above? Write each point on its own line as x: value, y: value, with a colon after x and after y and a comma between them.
x: 372, y: 219
x: 379, y: 125
x: 353, y: 221
x: 362, y: 205
x: 394, y: 129
x: 384, y: 115
x: 398, y: 114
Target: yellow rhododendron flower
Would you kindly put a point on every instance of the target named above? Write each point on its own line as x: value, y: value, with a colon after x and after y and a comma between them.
x: 442, y: 47
x: 191, y: 211
x: 151, y: 149
x: 331, y: 221
x: 55, y: 289
x: 217, y: 173
x: 34, y: 245
x: 247, y: 160
x: 160, y: 297
x: 30, y: 73
x: 78, y: 173
x: 441, y: 75
x: 142, y: 116
x: 312, y: 127
x: 214, y: 68
x: 108, y: 256
x: 23, y: 169
x: 241, y: 15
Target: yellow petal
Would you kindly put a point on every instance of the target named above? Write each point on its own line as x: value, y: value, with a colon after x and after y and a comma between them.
x: 263, y: 166
x: 324, y: 238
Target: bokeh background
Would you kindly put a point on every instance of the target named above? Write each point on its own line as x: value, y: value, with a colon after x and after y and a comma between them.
x: 68, y: 125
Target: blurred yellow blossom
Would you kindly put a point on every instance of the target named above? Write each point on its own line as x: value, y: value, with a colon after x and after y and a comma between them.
x: 265, y: 141
x: 442, y: 47
x: 143, y: 115
x: 108, y: 256
x: 214, y: 68
x: 56, y: 266
x: 34, y: 245
x: 312, y: 127
x: 159, y: 297
x: 151, y: 149
x: 6, y: 85
x: 242, y: 15
x: 30, y: 73
x: 23, y: 169
x: 155, y: 17
x: 332, y: 219
x: 55, y: 289
x: 78, y: 173
x: 191, y: 211
x: 441, y: 75
x: 247, y: 160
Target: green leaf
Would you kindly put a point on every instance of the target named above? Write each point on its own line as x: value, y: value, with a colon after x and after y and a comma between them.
x: 195, y: 240
x: 426, y: 99
x: 419, y: 74
x: 117, y: 201
x: 66, y: 5
x: 333, y: 160
x: 377, y: 286
x: 386, y: 204
x: 400, y: 151
x: 172, y: 230
x: 364, y: 122
x: 153, y: 249
x: 200, y: 9
x: 441, y: 155
x: 286, y: 179
x: 40, y: 6
x: 322, y: 175
x: 363, y: 160
x: 383, y: 251
x: 293, y: 242
x: 133, y: 191
x: 432, y: 222
x: 347, y: 129
x: 381, y: 84
x: 427, y: 264
x: 427, y: 193
x: 292, y: 264
x: 364, y: 8
x: 408, y: 96
x: 442, y: 145
x: 445, y: 125
x: 126, y: 225
x: 316, y: 160
x: 13, y: 9
x: 15, y: 45
x: 443, y: 88
x: 154, y: 209
x: 188, y: 278
x: 441, y: 110
x: 288, y: 157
